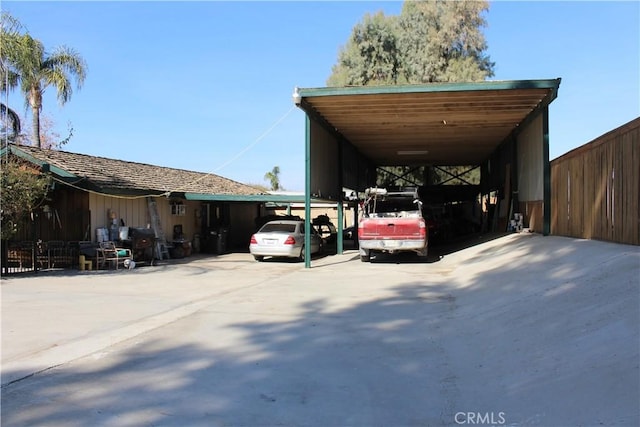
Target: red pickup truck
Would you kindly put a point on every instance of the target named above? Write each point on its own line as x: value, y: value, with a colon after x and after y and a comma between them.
x: 392, y: 221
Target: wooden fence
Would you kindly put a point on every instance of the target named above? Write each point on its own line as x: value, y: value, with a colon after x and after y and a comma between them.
x: 595, y: 189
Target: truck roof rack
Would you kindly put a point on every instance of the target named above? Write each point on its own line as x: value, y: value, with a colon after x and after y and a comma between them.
x: 375, y: 191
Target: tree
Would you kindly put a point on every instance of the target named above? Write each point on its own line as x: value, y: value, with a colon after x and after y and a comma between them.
x: 442, y: 41
x: 371, y: 56
x: 29, y: 66
x: 9, y: 30
x: 50, y: 139
x: 23, y: 61
x: 274, y: 178
x: 431, y: 41
x: 22, y: 190
x: 10, y: 123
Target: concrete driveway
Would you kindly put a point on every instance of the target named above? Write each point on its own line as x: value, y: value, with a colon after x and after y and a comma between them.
x: 520, y: 330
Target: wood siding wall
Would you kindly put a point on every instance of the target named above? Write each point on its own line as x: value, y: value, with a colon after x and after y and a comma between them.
x: 66, y: 218
x: 595, y: 189
x: 135, y: 213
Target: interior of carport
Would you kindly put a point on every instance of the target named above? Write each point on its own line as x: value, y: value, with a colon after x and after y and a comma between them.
x: 501, y: 127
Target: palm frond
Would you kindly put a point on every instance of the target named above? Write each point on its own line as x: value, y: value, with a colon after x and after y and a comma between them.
x: 12, y: 118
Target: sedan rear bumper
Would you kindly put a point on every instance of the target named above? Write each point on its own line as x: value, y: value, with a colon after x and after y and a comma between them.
x: 276, y: 251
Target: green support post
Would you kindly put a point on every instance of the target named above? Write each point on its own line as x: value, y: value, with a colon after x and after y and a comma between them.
x: 546, y: 217
x: 307, y: 192
x: 339, y: 248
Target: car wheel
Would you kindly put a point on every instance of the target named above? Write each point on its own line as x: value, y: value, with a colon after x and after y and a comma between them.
x: 301, y: 256
x: 258, y: 258
x: 365, y: 258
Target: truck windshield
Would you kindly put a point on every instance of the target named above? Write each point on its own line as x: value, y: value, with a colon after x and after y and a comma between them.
x: 394, y: 205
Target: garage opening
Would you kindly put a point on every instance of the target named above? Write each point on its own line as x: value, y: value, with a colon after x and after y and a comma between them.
x: 479, y: 152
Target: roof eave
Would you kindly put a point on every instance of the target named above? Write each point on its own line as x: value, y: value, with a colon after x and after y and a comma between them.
x: 262, y: 198
x: 551, y: 84
x: 45, y: 166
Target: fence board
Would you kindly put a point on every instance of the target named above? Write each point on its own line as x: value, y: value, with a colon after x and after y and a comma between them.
x: 596, y: 188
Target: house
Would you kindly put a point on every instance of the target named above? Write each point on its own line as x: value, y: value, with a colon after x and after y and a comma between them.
x: 96, y: 198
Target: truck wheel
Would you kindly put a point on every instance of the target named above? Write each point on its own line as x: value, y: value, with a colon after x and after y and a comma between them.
x: 365, y: 255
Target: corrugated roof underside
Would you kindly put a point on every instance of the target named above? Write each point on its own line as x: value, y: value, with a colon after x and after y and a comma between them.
x: 456, y: 127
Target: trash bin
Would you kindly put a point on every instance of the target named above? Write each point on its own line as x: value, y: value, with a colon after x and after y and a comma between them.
x: 222, y: 241
x: 196, y: 243
x: 211, y: 242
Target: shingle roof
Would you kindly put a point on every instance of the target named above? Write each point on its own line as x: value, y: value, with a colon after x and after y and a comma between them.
x: 118, y: 175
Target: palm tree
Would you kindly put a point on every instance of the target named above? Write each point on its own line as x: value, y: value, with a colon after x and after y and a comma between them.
x: 28, y: 64
x: 274, y: 178
x: 10, y: 122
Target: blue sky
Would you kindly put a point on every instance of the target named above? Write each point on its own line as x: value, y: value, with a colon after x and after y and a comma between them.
x: 207, y: 85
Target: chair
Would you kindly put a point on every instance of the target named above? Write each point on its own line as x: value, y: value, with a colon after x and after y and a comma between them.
x: 89, y: 250
x: 108, y: 254
x: 59, y: 254
x: 42, y: 254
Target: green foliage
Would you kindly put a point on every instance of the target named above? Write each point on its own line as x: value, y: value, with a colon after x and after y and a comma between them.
x: 30, y: 67
x: 10, y: 29
x: 431, y: 41
x: 274, y: 178
x: 9, y: 123
x: 371, y: 57
x: 22, y: 190
x: 442, y: 41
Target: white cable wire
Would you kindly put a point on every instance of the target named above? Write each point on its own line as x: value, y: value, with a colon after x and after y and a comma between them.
x: 168, y: 192
x: 248, y: 147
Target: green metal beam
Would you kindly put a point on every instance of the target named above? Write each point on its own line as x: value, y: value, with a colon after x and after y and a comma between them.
x: 453, y: 176
x: 340, y: 143
x: 546, y: 221
x: 552, y: 84
x: 403, y: 177
x: 264, y: 198
x: 307, y: 191
x: 47, y: 167
x: 312, y: 113
x: 339, y: 243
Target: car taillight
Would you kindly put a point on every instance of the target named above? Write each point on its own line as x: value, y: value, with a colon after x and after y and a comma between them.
x: 253, y: 240
x: 290, y: 241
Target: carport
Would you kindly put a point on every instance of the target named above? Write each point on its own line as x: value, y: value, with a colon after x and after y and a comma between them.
x: 500, y: 126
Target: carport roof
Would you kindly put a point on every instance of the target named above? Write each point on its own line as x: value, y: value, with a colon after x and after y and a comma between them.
x: 438, y: 123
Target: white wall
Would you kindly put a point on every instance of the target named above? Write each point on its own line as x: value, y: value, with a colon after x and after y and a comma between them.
x: 324, y: 164
x: 530, y: 161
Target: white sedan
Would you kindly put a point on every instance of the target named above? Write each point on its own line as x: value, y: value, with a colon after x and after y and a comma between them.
x: 283, y: 238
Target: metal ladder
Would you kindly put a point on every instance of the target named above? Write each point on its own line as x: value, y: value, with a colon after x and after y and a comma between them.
x: 162, y: 252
